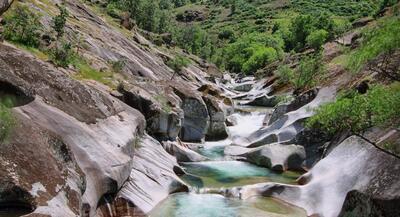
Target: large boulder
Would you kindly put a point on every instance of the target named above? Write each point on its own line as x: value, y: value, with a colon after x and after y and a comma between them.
x: 289, y: 125
x: 277, y: 157
x: 153, y: 176
x: 264, y: 101
x: 196, y: 119
x: 361, y: 204
x: 217, y: 129
x: 161, y: 110
x: 244, y: 87
x: 88, y: 143
x: 190, y: 16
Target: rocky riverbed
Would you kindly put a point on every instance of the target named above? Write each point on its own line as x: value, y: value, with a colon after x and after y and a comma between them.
x: 203, y: 144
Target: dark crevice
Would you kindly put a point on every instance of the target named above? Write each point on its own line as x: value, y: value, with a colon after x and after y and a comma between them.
x: 13, y: 96
x: 15, y: 201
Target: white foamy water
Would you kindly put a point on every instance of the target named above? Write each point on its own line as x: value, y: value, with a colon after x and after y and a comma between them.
x: 246, y: 124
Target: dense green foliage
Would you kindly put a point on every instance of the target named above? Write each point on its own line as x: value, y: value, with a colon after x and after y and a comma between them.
x: 219, y: 36
x: 252, y: 52
x: 355, y: 112
x: 6, y: 119
x: 22, y: 26
x: 382, y: 39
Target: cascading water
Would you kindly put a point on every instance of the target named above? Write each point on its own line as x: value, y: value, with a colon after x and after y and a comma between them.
x: 210, y: 180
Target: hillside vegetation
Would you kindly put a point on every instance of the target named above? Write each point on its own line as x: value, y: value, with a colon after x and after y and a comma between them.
x: 244, y: 36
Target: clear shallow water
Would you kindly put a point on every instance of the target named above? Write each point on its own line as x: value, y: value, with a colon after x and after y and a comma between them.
x: 210, y: 205
x: 218, y: 174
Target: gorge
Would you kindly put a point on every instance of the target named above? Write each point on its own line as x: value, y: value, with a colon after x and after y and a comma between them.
x: 130, y: 128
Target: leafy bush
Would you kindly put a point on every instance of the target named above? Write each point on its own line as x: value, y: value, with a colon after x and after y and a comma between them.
x: 317, y: 38
x: 178, y: 63
x: 22, y: 26
x: 285, y: 74
x: 259, y: 58
x: 314, y: 28
x: 355, y: 112
x: 309, y: 70
x: 61, y: 53
x: 6, y: 120
x: 118, y: 66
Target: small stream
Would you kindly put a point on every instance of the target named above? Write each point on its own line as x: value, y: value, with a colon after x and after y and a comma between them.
x: 211, y: 205
x: 223, y: 172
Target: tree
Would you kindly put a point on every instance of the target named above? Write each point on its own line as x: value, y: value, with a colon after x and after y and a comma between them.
x: 307, y: 72
x: 148, y: 21
x: 317, y: 38
x: 301, y: 28
x: 134, y: 7
x: 60, y: 20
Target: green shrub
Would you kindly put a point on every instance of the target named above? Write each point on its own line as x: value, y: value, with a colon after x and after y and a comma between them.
x: 61, y: 53
x: 113, y: 10
x: 6, y: 120
x: 259, y: 58
x: 309, y: 70
x: 22, y: 26
x: 317, y: 38
x: 355, y: 112
x: 285, y: 74
x: 118, y: 66
x: 177, y: 64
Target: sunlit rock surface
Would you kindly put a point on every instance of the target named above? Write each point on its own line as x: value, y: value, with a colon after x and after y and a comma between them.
x: 289, y: 125
x: 353, y: 165
x: 153, y: 176
x: 90, y: 135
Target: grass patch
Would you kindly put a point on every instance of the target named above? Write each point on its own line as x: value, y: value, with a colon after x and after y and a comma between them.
x: 34, y: 51
x: 379, y: 40
x: 85, y: 71
x: 7, y: 120
x: 163, y: 102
